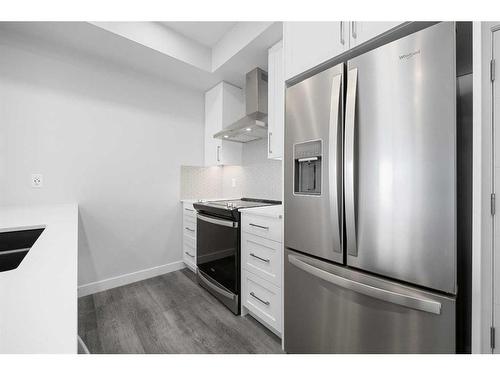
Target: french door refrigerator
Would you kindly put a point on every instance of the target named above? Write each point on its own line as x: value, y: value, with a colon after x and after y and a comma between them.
x: 370, y: 201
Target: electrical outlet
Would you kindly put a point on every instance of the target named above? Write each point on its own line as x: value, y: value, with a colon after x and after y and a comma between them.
x: 233, y: 182
x: 37, y: 180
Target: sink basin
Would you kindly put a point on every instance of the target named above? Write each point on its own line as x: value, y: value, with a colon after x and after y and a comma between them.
x: 15, y: 245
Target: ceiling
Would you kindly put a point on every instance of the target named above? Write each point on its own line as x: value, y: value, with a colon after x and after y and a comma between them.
x: 205, y: 33
x: 84, y: 40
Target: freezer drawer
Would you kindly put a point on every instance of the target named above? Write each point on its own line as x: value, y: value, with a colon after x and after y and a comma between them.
x: 333, y: 309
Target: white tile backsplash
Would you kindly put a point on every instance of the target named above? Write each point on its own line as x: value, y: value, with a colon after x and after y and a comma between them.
x: 257, y: 177
x: 201, y: 182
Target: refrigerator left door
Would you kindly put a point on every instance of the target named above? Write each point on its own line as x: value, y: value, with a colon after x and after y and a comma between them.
x: 313, y: 203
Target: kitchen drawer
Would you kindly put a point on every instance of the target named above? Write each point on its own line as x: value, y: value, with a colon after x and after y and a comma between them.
x: 189, y: 251
x: 262, y: 299
x: 261, y: 257
x: 188, y: 210
x: 263, y: 226
x: 189, y: 226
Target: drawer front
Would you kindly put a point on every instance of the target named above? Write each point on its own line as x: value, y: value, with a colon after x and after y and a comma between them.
x: 262, y: 257
x: 189, y: 251
x: 262, y: 299
x: 189, y: 226
x: 188, y: 210
x: 262, y: 226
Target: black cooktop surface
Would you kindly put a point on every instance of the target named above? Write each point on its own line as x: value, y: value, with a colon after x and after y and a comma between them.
x: 231, y: 205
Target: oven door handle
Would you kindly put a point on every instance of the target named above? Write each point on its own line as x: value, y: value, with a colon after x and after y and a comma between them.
x: 215, y: 287
x: 226, y: 223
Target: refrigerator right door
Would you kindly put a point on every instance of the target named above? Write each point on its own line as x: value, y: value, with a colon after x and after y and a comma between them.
x: 400, y: 156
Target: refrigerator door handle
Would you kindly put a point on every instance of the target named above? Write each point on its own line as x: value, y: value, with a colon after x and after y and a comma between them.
x: 350, y: 207
x: 401, y: 299
x: 332, y: 162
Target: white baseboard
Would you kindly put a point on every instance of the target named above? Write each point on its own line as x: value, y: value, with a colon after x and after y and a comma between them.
x: 113, y: 282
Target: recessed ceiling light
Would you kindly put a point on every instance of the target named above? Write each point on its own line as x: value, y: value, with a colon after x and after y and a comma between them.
x: 248, y: 129
x: 226, y: 136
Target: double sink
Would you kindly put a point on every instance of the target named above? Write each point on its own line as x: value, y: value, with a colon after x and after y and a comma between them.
x: 15, y: 245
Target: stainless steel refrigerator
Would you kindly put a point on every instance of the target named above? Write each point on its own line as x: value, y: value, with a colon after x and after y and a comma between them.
x: 370, y: 201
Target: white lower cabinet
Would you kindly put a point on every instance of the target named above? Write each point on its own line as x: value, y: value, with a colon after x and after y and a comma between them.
x: 262, y: 266
x: 263, y: 300
x: 189, y: 235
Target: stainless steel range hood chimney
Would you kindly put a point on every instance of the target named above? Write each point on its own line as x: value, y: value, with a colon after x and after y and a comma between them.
x: 254, y: 125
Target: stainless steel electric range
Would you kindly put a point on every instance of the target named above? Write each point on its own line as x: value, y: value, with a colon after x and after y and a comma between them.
x: 218, y: 247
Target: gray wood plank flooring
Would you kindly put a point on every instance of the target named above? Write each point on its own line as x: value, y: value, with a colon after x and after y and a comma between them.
x: 168, y: 314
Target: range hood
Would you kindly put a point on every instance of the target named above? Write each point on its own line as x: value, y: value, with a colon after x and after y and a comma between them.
x: 254, y: 125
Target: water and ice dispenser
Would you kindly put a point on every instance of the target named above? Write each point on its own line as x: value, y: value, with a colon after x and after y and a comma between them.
x: 307, y: 156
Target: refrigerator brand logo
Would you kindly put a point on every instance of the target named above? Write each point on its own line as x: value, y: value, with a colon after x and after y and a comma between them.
x: 409, y: 55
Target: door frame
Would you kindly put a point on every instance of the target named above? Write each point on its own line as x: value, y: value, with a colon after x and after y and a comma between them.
x: 483, y: 187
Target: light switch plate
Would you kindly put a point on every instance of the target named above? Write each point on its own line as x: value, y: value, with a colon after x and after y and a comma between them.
x: 36, y: 180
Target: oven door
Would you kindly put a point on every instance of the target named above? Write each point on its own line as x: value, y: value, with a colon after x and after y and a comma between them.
x: 217, y: 258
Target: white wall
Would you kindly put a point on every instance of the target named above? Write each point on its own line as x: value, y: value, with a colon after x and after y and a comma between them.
x: 109, y: 138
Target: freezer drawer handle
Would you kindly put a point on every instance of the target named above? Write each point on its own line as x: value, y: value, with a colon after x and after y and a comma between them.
x: 411, y: 302
x: 259, y: 258
x: 349, y: 183
x: 226, y: 223
x: 260, y: 299
x: 258, y: 226
x: 215, y: 288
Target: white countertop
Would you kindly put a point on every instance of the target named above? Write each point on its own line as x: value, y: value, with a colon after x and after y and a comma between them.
x: 193, y: 200
x: 38, y: 300
x: 275, y: 211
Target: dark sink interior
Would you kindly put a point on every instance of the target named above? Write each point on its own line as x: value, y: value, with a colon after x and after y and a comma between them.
x: 15, y: 245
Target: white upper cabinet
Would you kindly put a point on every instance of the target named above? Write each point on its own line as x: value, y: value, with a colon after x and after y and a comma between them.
x: 308, y: 44
x: 276, y: 102
x: 224, y: 104
x: 360, y: 32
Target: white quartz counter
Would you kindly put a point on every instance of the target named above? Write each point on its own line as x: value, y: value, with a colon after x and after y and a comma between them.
x: 38, y: 300
x: 275, y: 211
x: 193, y: 200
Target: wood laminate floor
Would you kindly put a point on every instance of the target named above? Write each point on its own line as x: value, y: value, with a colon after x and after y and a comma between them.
x: 167, y: 314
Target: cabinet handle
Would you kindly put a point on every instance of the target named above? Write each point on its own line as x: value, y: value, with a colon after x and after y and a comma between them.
x: 354, y: 31
x: 269, y: 143
x: 189, y: 209
x: 185, y: 252
x: 342, y: 40
x: 189, y: 229
x: 218, y: 153
x: 259, y: 258
x: 259, y: 299
x: 258, y: 226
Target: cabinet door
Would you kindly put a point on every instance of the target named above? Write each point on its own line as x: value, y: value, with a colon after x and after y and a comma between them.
x: 360, y: 32
x: 233, y: 108
x: 213, y: 121
x: 276, y: 102
x: 224, y: 104
x: 308, y: 44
